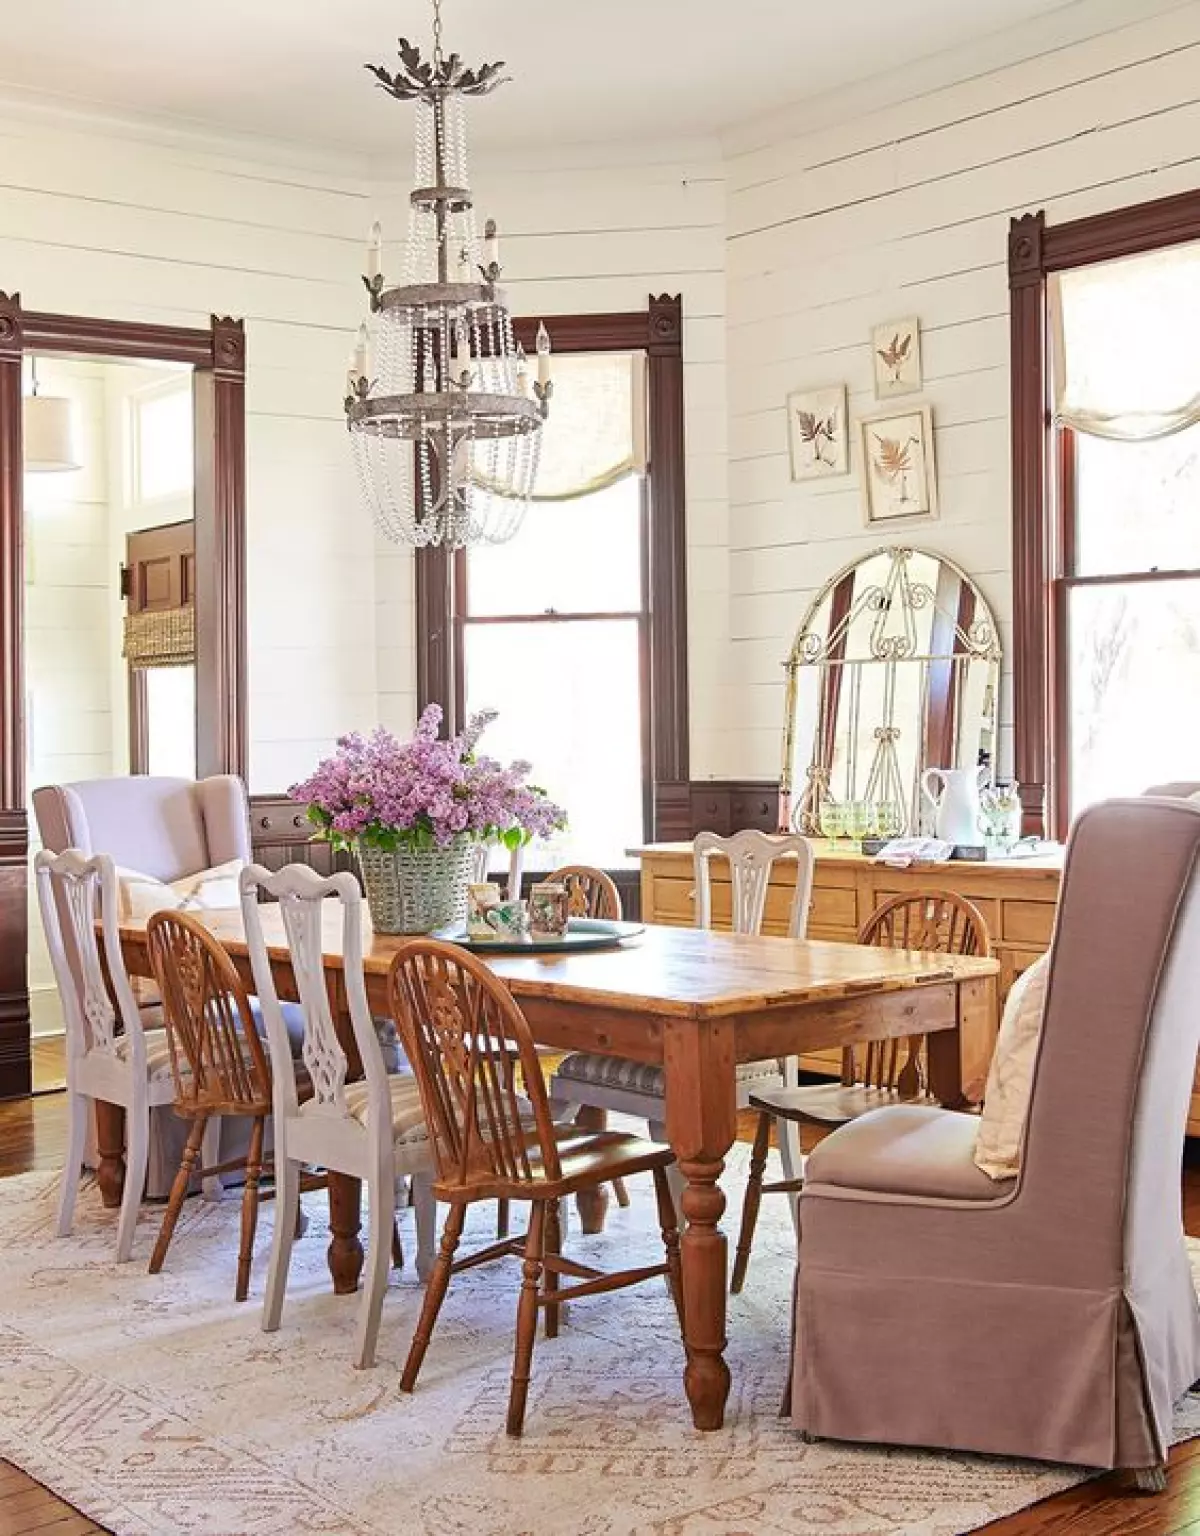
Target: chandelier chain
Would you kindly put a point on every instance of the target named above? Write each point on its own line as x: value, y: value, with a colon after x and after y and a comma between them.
x: 437, y: 35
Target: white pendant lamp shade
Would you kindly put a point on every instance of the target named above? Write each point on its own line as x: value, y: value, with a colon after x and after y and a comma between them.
x: 49, y: 425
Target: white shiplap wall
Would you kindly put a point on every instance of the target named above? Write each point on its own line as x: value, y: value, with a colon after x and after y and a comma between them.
x: 95, y: 222
x: 583, y: 232
x: 904, y: 211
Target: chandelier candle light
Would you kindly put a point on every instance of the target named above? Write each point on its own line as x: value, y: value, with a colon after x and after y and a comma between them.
x: 444, y: 420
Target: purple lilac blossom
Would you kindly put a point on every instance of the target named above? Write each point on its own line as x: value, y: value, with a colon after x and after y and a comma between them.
x: 384, y: 791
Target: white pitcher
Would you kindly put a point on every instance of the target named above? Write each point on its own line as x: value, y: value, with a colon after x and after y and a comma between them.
x: 957, y: 807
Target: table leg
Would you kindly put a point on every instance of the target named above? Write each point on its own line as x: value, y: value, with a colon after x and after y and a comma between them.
x: 945, y: 1047
x: 701, y: 1123
x: 110, y: 1144
x: 345, y: 1223
x: 592, y: 1204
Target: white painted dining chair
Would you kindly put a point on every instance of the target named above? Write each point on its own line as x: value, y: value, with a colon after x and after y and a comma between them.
x: 110, y: 1055
x: 637, y: 1088
x: 373, y: 1130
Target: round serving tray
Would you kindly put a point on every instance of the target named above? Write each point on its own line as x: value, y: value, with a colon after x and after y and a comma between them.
x: 582, y: 933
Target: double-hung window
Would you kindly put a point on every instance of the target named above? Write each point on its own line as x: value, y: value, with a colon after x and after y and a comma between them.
x: 553, y: 627
x: 1126, y: 366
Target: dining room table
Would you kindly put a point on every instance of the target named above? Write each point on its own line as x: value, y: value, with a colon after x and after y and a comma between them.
x: 695, y: 1001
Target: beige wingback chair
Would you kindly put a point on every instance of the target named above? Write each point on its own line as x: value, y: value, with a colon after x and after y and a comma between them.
x: 163, y: 827
x: 1053, y: 1316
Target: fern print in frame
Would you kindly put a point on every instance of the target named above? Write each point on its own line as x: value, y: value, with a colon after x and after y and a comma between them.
x: 817, y: 435
x: 899, y: 478
x: 896, y: 357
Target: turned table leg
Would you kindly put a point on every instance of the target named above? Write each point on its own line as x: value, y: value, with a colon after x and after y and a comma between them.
x: 592, y: 1204
x: 345, y: 1223
x: 110, y: 1145
x: 701, y: 1123
x: 970, y: 1040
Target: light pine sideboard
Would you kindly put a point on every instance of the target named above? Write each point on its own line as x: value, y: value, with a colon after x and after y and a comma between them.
x: 1017, y: 899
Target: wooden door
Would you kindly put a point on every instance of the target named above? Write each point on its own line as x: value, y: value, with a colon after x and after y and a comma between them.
x: 159, y: 574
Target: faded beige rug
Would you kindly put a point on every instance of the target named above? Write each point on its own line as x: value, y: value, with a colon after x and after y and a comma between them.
x: 156, y: 1405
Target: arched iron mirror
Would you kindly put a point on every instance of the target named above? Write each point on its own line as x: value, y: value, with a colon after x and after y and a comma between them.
x: 895, y: 669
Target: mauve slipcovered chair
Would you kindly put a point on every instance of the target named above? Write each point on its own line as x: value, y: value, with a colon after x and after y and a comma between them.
x: 167, y: 828
x: 1054, y: 1315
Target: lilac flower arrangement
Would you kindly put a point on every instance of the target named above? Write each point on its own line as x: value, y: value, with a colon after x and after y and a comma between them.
x: 378, y: 792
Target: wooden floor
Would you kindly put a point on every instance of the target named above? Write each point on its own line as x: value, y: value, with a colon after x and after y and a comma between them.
x: 33, y: 1135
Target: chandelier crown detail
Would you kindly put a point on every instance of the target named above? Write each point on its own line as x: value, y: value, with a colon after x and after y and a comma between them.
x: 444, y: 420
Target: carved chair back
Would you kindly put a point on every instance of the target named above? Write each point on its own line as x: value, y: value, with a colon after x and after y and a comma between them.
x: 96, y: 995
x: 466, y: 1038
x: 752, y: 855
x: 590, y: 892
x: 940, y: 922
x: 218, y: 1062
x: 304, y: 905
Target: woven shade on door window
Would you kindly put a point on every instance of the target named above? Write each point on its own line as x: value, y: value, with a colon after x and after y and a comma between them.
x: 161, y: 637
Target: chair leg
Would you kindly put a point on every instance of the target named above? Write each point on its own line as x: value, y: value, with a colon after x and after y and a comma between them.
x: 435, y: 1294
x: 658, y: 1132
x: 502, y: 1215
x: 754, y: 1184
x: 210, y: 1155
x: 425, y: 1211
x: 179, y: 1189
x: 554, y: 1249
x: 621, y: 1193
x: 668, y: 1221
x: 792, y: 1159
x: 77, y: 1110
x: 381, y: 1215
x: 254, y: 1157
x: 137, y: 1122
x: 592, y: 1203
x: 287, y: 1201
x: 527, y: 1310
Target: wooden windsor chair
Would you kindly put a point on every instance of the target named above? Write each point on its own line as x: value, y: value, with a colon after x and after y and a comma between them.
x: 219, y: 1067
x: 874, y: 1074
x: 592, y: 893
x: 462, y: 1031
x: 600, y: 1084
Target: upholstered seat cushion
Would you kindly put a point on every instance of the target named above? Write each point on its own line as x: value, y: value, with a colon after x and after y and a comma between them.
x: 408, y: 1118
x: 643, y: 1077
x: 907, y: 1149
x: 158, y: 1050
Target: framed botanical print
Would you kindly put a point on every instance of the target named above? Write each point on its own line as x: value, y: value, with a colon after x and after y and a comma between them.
x: 896, y: 354
x: 899, y: 476
x: 817, y: 432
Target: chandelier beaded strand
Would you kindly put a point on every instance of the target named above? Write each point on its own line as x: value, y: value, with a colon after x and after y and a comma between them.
x: 444, y: 422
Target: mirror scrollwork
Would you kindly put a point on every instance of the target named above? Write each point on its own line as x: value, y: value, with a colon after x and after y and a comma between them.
x: 895, y: 669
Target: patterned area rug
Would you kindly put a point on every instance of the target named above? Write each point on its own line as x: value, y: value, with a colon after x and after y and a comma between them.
x: 156, y: 1405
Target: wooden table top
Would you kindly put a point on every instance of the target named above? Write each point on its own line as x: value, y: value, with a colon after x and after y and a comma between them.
x: 667, y: 971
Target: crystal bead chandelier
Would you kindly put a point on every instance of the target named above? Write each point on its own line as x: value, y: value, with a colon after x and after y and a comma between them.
x: 444, y: 420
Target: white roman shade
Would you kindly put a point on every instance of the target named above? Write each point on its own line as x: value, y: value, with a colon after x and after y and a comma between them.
x: 595, y: 434
x: 1127, y: 345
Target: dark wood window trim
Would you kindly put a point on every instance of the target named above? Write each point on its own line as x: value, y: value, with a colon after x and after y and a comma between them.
x: 658, y: 331
x: 1040, y: 466
x: 218, y: 357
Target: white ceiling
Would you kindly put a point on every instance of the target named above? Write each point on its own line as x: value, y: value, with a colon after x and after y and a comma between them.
x: 582, y: 70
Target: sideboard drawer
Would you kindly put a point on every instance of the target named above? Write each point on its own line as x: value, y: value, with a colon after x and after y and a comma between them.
x: 1027, y: 922
x: 750, y: 810
x: 834, y: 907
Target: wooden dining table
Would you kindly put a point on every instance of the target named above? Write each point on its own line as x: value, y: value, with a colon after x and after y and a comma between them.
x: 698, y: 1003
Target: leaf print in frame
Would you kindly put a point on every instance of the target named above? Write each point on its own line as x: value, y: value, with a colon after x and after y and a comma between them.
x: 817, y: 432
x: 899, y: 480
x: 896, y: 357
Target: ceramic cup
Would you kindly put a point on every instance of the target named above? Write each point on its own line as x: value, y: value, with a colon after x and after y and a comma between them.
x: 508, y: 920
x: 480, y: 900
x: 549, y: 910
